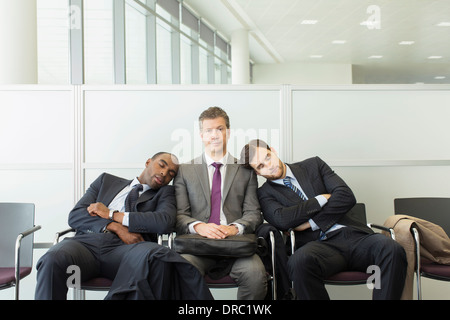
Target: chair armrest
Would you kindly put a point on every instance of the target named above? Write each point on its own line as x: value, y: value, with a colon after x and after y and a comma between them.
x: 292, y: 234
x: 274, y: 278
x: 383, y: 228
x: 17, y: 254
x: 171, y: 239
x: 30, y: 231
x: 160, y: 240
x: 61, y: 233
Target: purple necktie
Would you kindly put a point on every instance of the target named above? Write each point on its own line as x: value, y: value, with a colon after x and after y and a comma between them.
x: 216, y: 195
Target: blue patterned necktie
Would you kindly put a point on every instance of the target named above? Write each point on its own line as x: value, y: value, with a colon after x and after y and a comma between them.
x: 133, y: 195
x: 288, y: 183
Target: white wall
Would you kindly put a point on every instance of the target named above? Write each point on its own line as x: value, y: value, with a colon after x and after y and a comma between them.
x: 302, y: 73
x: 385, y: 141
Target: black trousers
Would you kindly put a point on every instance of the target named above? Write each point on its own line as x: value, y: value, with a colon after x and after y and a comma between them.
x: 143, y: 270
x: 348, y: 249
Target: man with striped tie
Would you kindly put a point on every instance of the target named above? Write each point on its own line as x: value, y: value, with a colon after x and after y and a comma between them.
x: 311, y: 199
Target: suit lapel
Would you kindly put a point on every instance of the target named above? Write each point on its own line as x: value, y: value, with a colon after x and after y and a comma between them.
x: 202, y: 174
x: 229, y: 175
x: 114, y: 187
x: 146, y: 196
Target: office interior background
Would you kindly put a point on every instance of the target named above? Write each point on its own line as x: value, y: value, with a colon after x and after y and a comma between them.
x: 362, y: 84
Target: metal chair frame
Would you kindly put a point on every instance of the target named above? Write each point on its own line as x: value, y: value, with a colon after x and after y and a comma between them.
x: 90, y: 285
x: 227, y: 282
x: 17, y: 250
x: 416, y: 236
x: 360, y: 277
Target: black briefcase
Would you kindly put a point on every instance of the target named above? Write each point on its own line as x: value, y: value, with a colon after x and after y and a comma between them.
x: 234, y: 246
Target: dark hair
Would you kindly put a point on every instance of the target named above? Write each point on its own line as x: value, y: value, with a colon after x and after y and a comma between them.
x: 213, y: 113
x: 248, y: 151
x: 156, y: 155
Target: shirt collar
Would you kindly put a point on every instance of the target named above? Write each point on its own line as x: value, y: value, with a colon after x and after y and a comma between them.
x: 288, y: 174
x: 210, y: 161
x: 136, y: 181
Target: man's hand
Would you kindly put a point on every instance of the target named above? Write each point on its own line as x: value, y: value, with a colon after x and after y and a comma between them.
x: 122, y: 232
x: 98, y: 209
x: 214, y: 231
x: 303, y: 226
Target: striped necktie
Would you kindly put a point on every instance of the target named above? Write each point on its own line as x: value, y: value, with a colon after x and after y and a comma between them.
x: 288, y: 183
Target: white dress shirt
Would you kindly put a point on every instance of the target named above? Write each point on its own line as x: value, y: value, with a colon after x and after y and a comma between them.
x: 223, y: 170
x: 118, y: 202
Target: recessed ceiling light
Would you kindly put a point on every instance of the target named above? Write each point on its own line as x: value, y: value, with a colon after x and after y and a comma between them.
x: 309, y: 21
x: 375, y: 57
x: 439, y: 77
x: 435, y: 57
x: 315, y: 56
x: 338, y: 41
x: 443, y: 24
x: 406, y: 43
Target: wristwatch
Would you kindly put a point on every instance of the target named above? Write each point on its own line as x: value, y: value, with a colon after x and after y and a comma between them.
x: 111, y: 214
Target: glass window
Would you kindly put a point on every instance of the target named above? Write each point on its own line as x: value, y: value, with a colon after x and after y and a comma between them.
x: 53, y: 41
x: 163, y: 48
x: 185, y: 60
x: 136, y: 46
x: 98, y: 42
x: 163, y: 53
x: 182, y: 52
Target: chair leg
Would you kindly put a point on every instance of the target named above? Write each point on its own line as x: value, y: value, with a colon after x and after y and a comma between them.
x: 274, y: 281
x: 418, y: 278
x: 79, y: 294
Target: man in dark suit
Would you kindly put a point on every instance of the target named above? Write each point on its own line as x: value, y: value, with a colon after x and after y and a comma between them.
x: 116, y: 223
x: 238, y: 210
x: 313, y: 200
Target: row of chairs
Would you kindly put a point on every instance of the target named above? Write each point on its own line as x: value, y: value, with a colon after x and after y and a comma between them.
x: 16, y: 246
x: 103, y: 284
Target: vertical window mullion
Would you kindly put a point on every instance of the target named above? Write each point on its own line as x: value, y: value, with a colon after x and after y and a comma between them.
x: 76, y: 38
x: 176, y: 68
x: 119, y: 42
x: 151, y: 44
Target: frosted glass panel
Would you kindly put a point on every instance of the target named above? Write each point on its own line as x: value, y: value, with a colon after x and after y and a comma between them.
x: 377, y: 187
x: 92, y: 174
x: 371, y: 125
x: 50, y: 190
x: 35, y: 127
x: 130, y: 126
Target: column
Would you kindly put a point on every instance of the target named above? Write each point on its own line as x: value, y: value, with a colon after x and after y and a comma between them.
x: 18, y: 42
x: 240, y: 57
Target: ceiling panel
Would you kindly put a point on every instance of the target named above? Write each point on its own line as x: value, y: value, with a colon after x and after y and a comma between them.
x: 376, y: 51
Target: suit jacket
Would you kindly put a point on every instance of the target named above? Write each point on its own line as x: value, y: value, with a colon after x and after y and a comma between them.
x: 284, y: 209
x: 434, y: 245
x: 155, y: 210
x: 239, y: 199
